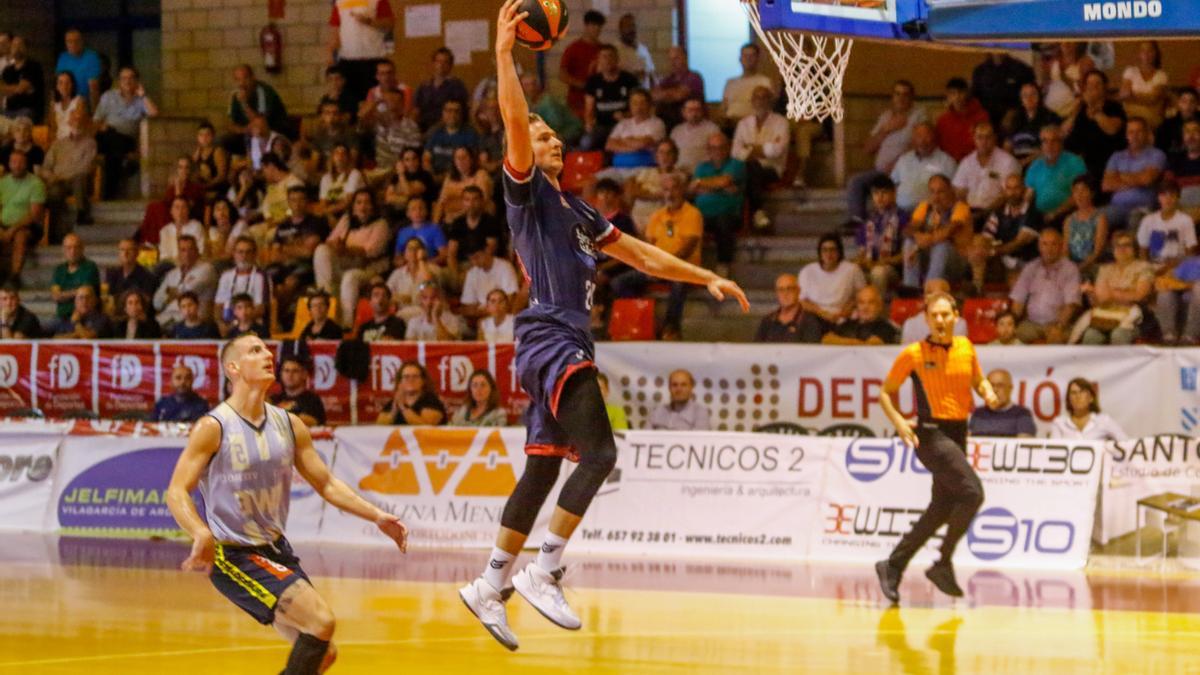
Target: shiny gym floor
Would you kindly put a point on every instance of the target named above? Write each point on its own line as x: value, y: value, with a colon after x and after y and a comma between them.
x: 101, y: 606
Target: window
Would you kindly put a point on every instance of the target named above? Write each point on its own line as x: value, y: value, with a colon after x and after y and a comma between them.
x: 716, y: 31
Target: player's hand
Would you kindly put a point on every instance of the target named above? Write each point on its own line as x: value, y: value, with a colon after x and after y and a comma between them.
x: 907, y: 434
x: 394, y: 529
x: 992, y: 401
x: 204, y: 550
x: 720, y: 287
x: 506, y: 26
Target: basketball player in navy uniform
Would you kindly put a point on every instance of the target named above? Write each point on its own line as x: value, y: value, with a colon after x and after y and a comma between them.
x: 241, y: 455
x: 557, y: 237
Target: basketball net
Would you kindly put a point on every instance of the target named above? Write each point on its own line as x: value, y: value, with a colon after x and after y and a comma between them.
x: 812, y: 66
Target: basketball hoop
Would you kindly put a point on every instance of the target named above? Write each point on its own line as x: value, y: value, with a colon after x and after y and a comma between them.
x: 812, y: 66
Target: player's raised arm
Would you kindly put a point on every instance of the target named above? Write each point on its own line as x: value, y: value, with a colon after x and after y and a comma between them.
x: 514, y: 109
x: 658, y: 263
x: 203, y: 443
x: 336, y: 492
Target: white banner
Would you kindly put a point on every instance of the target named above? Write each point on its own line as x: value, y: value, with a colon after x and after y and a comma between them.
x: 448, y: 485
x: 707, y: 494
x: 27, y: 471
x: 835, y: 390
x: 1140, y: 468
x: 1038, y: 510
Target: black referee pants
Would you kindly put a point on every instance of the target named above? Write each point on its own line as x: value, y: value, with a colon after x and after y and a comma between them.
x: 957, y: 491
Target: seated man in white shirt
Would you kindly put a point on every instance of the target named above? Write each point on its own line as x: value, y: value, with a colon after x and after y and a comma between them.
x: 916, y: 328
x: 487, y: 273
x: 435, y: 323
x: 979, y: 179
x: 737, y: 99
x: 244, y: 277
x: 633, y: 140
x: 761, y: 141
x: 189, y: 274
x: 692, y: 134
x: 682, y: 412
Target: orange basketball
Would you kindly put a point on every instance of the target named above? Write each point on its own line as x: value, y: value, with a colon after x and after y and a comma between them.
x: 546, y: 23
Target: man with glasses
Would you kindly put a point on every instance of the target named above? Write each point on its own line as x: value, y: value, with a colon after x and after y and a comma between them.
x: 890, y: 138
x: 678, y: 229
x: 784, y: 323
x: 1051, y: 175
x: 244, y: 277
x: 1007, y: 419
x: 449, y: 136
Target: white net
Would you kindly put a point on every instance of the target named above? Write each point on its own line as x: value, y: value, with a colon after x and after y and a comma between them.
x: 812, y: 66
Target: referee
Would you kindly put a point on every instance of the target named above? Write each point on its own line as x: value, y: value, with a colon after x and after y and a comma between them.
x: 944, y: 370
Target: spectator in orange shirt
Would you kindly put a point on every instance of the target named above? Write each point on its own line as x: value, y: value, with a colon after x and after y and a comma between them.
x: 678, y: 229
x: 956, y: 126
x: 938, y: 234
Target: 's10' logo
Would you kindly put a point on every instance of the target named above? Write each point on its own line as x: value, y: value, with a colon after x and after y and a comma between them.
x: 996, y: 532
x: 869, y: 459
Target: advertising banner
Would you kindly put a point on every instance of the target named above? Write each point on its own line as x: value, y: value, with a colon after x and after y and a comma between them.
x: 333, y: 387
x: 65, y: 377
x: 708, y: 494
x: 835, y: 390
x: 127, y: 377
x: 27, y: 470
x: 1144, y: 467
x: 114, y: 486
x: 448, y: 485
x: 16, y: 376
x: 1038, y: 509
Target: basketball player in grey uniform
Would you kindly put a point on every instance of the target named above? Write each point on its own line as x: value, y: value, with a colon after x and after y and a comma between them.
x: 241, y: 456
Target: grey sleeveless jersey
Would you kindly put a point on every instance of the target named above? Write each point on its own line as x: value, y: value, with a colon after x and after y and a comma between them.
x: 248, y: 483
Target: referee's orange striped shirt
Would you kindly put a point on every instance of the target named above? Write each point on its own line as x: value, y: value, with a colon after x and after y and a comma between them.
x: 942, y: 376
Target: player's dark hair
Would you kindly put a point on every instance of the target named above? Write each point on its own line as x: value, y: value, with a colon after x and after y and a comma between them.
x: 593, y: 18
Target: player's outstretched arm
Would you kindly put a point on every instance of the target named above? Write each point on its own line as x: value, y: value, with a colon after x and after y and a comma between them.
x: 313, y: 469
x: 658, y: 263
x: 514, y: 109
x: 203, y: 443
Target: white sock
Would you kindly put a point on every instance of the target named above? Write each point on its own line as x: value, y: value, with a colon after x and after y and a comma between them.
x: 550, y: 554
x: 499, y: 568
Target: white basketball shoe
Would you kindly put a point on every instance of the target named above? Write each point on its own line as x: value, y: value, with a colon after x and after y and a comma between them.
x: 487, y: 604
x: 543, y: 590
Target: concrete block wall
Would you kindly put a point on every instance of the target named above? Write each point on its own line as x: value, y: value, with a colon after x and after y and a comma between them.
x: 203, y: 40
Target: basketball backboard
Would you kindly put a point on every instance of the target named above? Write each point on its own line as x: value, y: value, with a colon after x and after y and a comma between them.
x: 992, y: 21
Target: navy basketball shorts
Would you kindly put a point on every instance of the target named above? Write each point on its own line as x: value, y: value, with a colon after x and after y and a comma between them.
x: 548, y: 353
x: 255, y: 577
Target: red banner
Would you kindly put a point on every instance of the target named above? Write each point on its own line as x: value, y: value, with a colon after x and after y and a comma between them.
x: 333, y: 388
x: 512, y: 396
x: 375, y: 391
x: 450, y: 365
x: 204, y: 360
x: 64, y: 378
x: 127, y: 377
x: 16, y: 368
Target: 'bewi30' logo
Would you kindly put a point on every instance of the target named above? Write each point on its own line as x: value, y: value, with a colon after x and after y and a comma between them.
x: 443, y: 462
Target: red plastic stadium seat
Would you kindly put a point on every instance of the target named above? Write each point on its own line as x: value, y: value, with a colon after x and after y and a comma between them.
x: 631, y: 319
x: 980, y: 314
x: 903, y: 308
x: 579, y: 169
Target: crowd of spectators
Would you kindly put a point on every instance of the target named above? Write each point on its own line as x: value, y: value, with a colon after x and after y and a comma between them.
x: 1069, y: 201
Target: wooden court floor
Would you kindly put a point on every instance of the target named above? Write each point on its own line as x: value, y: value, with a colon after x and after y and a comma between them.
x: 106, y: 606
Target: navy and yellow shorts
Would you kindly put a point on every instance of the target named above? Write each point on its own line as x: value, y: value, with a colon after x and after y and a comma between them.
x: 255, y: 577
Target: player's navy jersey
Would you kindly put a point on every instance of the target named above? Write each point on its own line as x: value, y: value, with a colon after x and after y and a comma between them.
x: 557, y: 237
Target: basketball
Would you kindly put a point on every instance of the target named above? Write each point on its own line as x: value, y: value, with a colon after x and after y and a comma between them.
x: 546, y: 23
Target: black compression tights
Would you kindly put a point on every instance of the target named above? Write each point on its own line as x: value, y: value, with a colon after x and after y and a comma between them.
x: 582, y: 416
